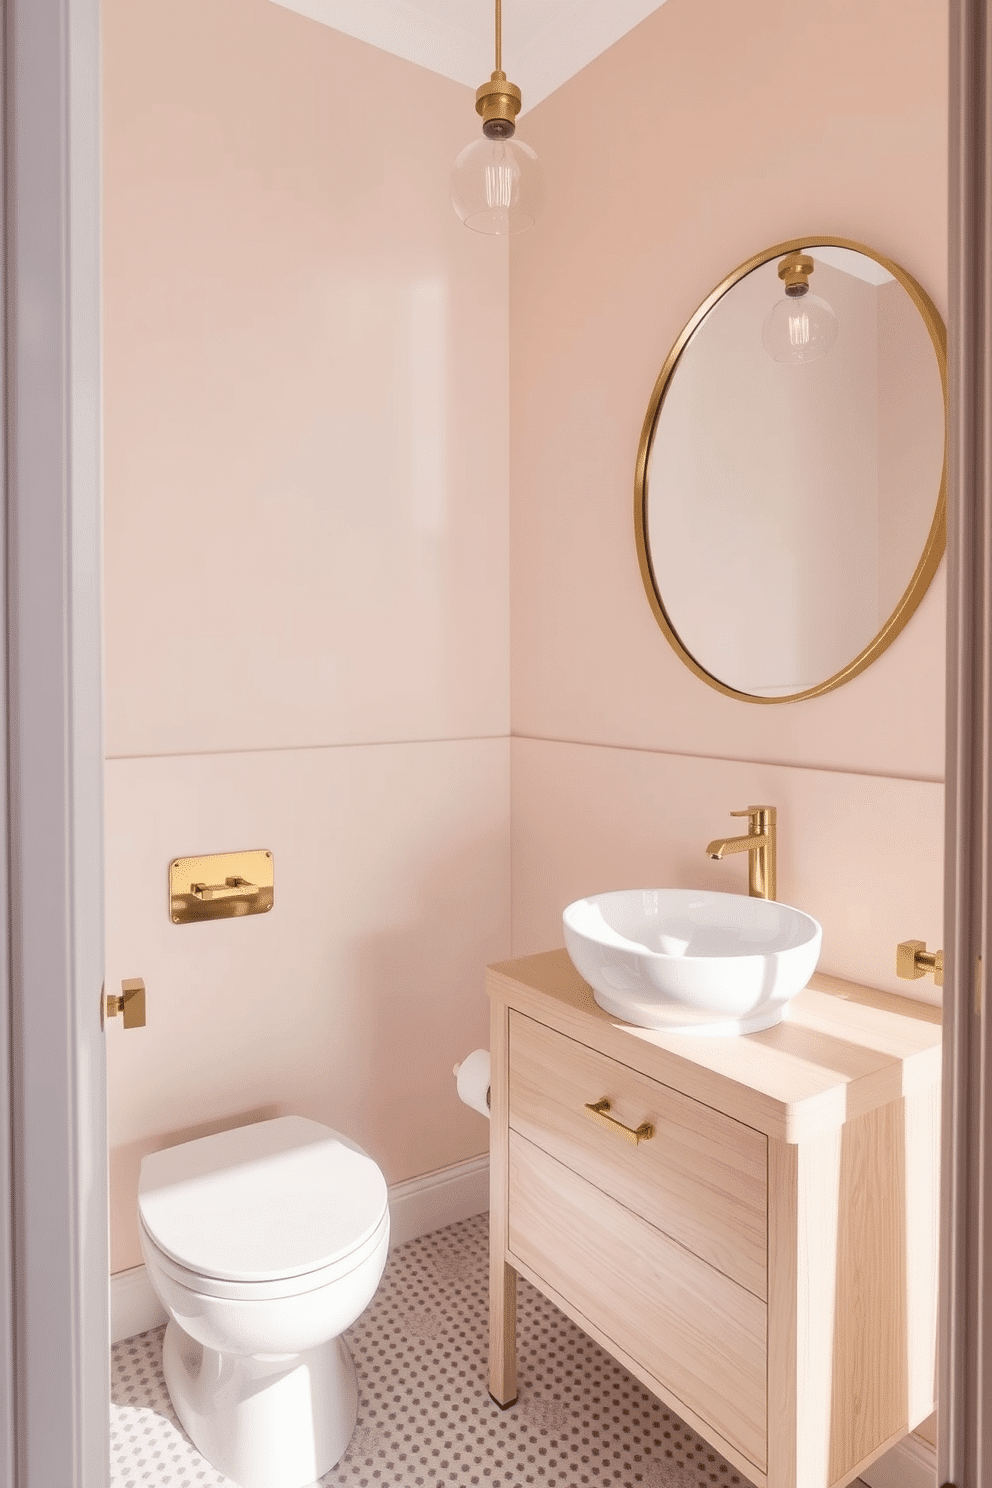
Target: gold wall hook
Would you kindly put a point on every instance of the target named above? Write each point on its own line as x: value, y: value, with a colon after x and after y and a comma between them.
x: 913, y: 961
x: 129, y: 1003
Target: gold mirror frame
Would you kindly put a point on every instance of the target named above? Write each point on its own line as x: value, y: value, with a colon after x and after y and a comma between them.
x: 933, y: 549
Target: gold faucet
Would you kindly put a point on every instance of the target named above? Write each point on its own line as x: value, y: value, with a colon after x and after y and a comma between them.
x: 759, y: 844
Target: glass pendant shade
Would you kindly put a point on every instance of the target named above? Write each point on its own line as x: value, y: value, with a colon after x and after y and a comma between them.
x: 497, y: 186
x: 799, y: 329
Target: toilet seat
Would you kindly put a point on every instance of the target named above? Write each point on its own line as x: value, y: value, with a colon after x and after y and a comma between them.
x: 276, y: 1209
x: 263, y: 1291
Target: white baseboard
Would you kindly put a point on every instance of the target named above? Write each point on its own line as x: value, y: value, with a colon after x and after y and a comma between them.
x: 134, y: 1307
x: 417, y: 1207
x: 911, y: 1463
x: 422, y: 1205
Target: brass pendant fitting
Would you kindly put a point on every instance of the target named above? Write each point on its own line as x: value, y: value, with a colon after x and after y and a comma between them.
x: 499, y: 104
x: 794, y: 271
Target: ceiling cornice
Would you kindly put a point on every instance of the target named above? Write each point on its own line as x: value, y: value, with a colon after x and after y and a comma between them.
x: 545, y: 42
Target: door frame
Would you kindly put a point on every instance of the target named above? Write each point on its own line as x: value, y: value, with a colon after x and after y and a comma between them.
x: 964, y: 1423
x: 54, y: 1330
x: 54, y: 1381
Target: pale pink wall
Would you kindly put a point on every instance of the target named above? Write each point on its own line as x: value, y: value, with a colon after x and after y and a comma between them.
x: 306, y: 582
x: 708, y: 133
x: 352, y: 999
x: 306, y: 392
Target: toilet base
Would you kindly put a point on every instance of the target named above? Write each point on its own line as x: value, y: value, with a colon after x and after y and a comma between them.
x: 278, y: 1422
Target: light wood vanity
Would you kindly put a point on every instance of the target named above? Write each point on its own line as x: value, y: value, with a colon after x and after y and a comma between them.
x: 766, y: 1262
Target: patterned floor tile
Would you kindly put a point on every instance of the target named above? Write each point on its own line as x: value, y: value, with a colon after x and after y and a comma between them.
x: 425, y: 1416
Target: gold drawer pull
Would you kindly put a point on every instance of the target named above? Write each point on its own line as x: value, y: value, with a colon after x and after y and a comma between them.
x: 598, y: 1109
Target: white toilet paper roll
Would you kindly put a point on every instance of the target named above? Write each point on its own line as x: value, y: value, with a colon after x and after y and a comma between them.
x: 472, y: 1080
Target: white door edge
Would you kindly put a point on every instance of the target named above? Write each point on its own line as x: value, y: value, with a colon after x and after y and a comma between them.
x: 57, y: 1070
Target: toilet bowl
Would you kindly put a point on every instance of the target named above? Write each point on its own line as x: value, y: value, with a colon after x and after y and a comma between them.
x: 263, y: 1245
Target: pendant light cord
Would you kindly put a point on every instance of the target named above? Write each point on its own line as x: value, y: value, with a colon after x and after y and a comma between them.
x: 499, y: 35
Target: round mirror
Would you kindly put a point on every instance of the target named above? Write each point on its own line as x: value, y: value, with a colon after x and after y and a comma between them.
x: 791, y: 475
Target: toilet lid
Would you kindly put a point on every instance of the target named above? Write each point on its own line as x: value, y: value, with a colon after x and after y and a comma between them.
x: 276, y: 1199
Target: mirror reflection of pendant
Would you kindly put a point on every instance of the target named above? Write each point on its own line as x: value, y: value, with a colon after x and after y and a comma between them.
x: 798, y: 328
x: 802, y: 327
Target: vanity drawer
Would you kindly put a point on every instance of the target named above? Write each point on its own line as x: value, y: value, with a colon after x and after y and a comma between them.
x: 702, y: 1178
x: 693, y: 1330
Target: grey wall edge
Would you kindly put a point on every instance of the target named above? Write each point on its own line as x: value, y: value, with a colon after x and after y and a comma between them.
x: 964, y: 1450
x: 52, y: 349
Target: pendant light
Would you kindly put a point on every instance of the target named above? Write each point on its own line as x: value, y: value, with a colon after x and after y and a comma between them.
x: 802, y: 327
x: 497, y: 184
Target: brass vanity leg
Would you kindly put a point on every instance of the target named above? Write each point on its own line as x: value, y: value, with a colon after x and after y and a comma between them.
x: 502, y: 1277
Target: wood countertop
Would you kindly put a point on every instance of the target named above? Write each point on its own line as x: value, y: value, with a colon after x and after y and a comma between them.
x: 841, y: 1050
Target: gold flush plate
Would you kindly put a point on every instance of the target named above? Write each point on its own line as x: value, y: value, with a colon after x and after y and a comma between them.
x: 221, y: 886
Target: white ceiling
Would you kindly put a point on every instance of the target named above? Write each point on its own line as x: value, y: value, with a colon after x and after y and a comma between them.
x: 545, y: 42
x: 858, y: 264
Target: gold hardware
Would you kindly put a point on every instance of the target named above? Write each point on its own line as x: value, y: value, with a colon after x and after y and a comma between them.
x: 913, y: 961
x: 130, y: 1003
x: 760, y: 846
x: 498, y: 101
x: 227, y: 890
x: 598, y: 1109
x: 794, y: 272
x: 933, y: 547
x: 221, y: 886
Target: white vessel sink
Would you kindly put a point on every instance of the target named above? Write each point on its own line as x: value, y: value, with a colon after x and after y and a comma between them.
x: 689, y: 960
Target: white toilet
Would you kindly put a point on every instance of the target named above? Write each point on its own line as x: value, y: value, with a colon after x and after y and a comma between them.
x: 264, y: 1244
